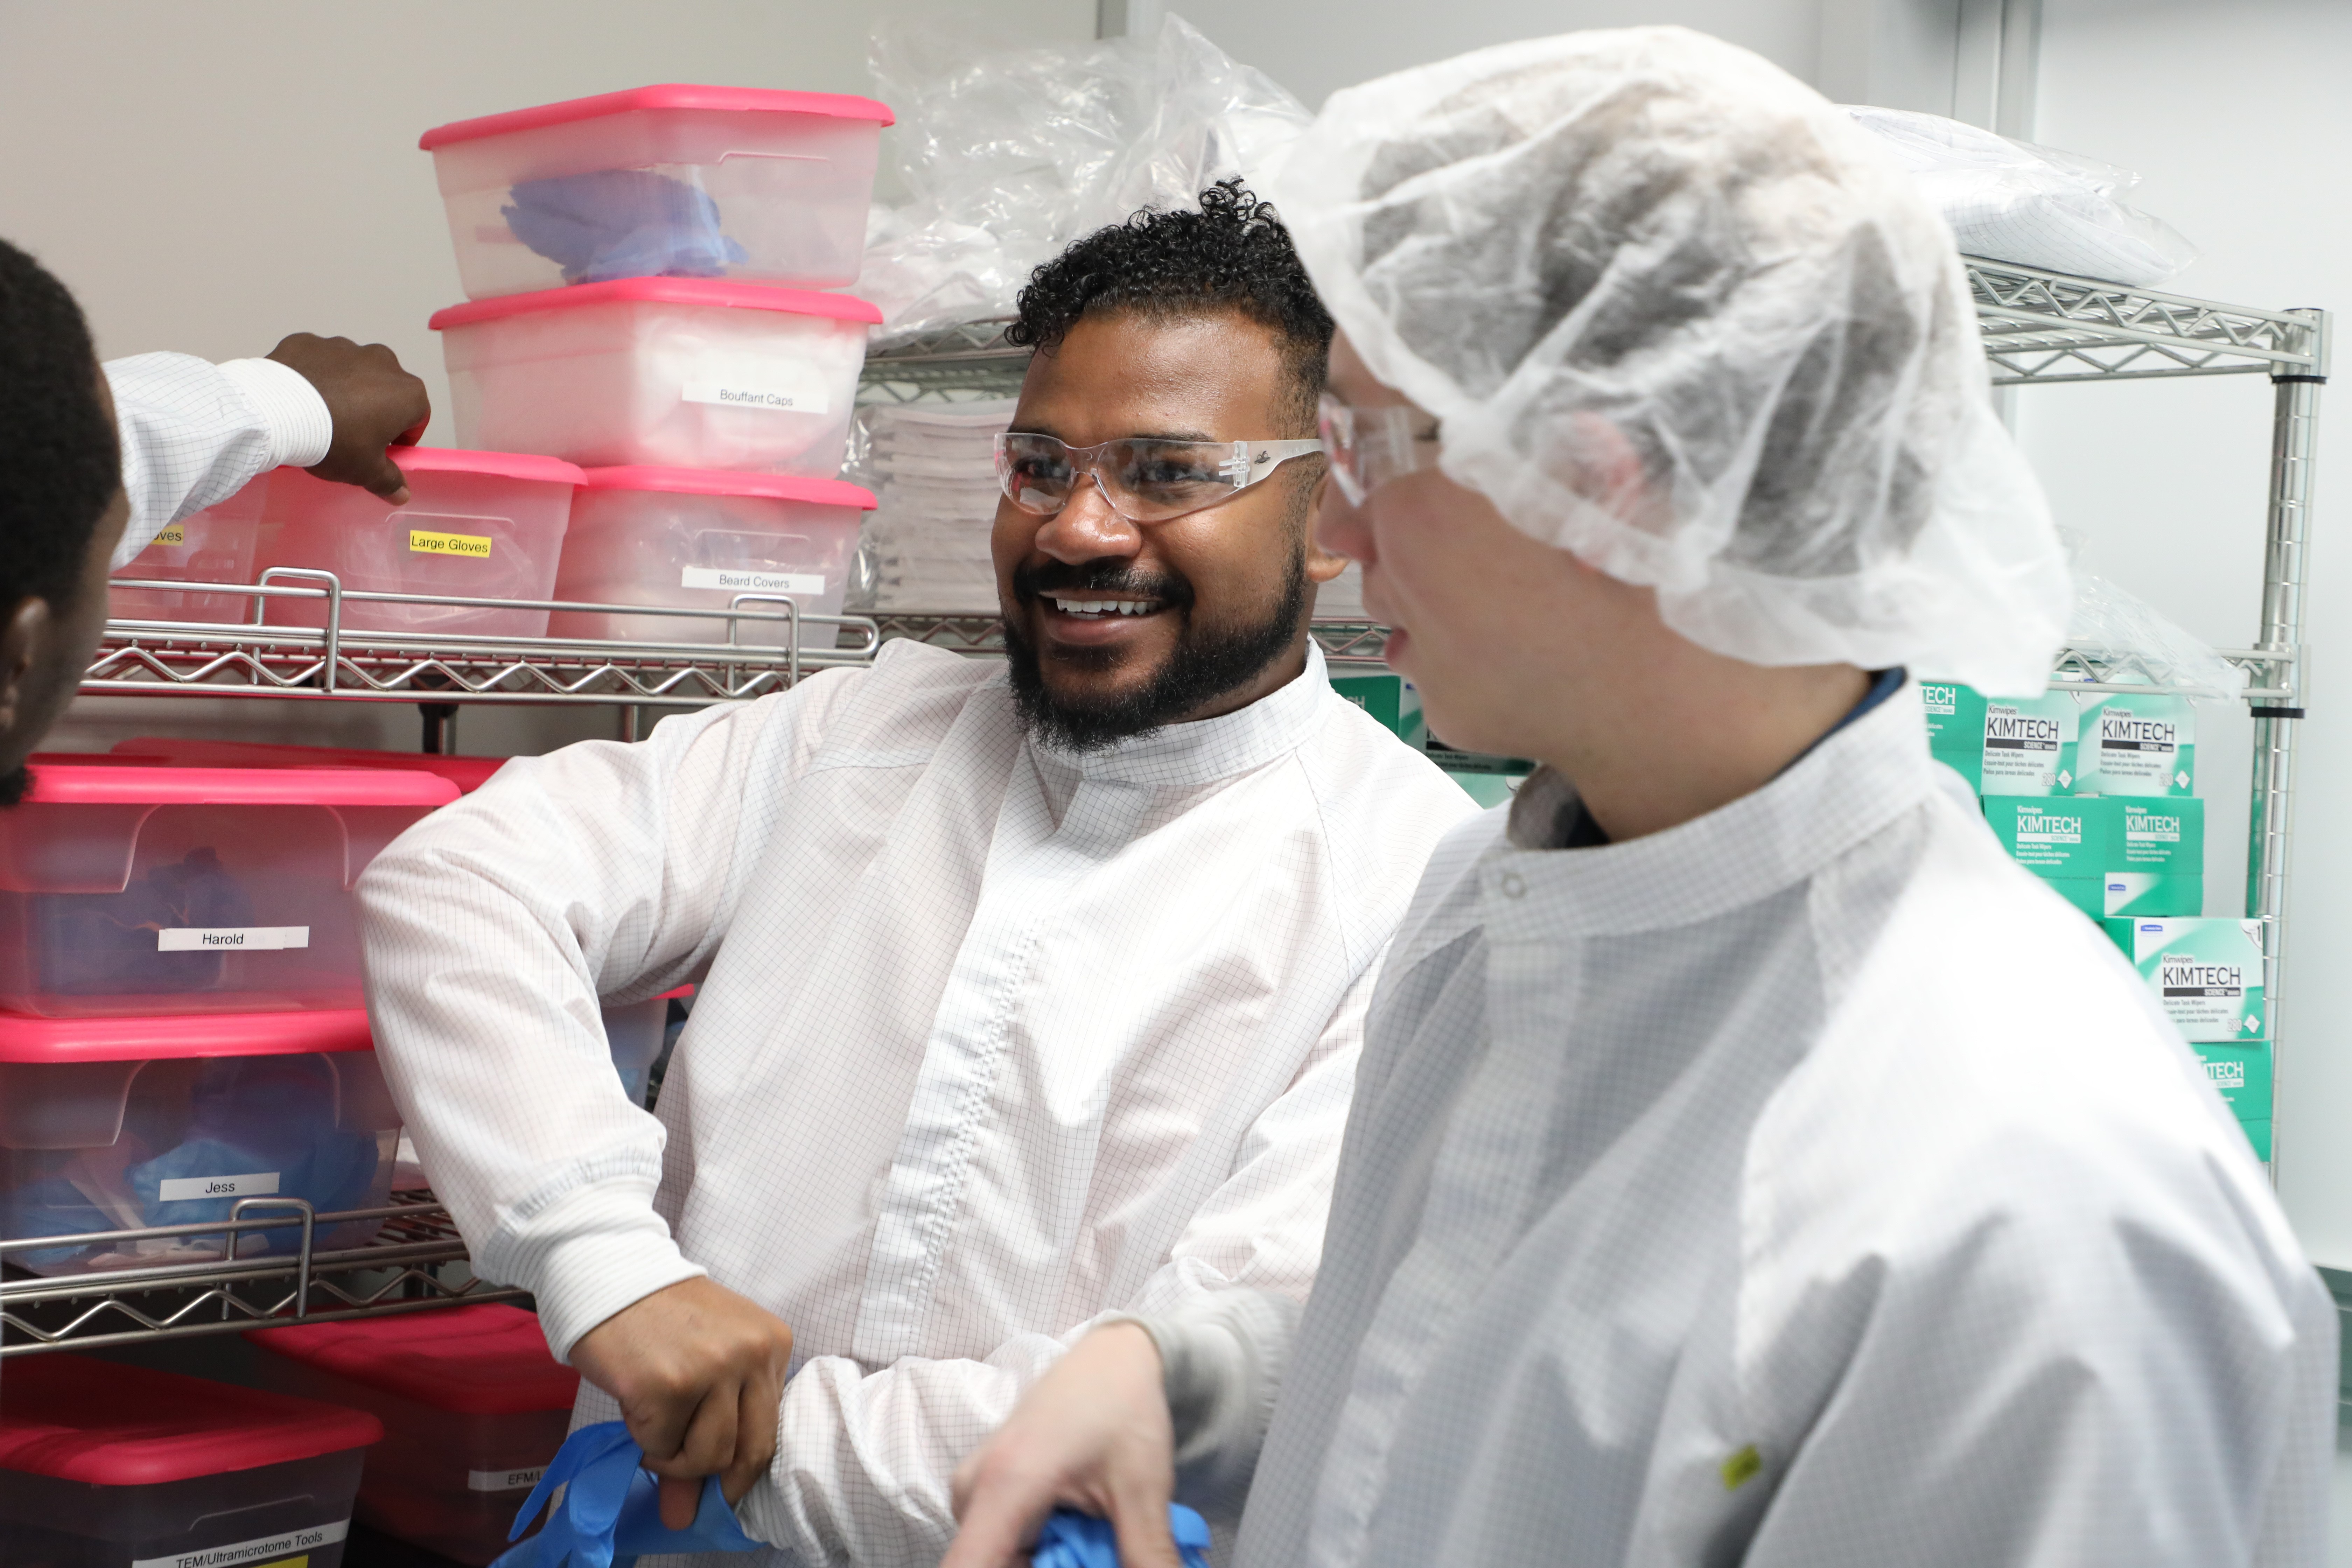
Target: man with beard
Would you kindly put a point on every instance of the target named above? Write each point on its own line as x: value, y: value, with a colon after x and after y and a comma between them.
x: 104, y: 458
x: 1033, y: 992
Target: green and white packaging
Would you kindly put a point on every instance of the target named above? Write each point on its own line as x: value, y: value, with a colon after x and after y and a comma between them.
x: 2062, y: 838
x: 1390, y: 698
x: 2242, y: 1074
x: 2157, y: 866
x: 2029, y: 744
x: 2136, y: 746
x: 2207, y: 973
x: 1956, y: 728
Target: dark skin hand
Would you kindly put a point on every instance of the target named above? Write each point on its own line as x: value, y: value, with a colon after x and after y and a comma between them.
x: 45, y: 646
x: 376, y: 404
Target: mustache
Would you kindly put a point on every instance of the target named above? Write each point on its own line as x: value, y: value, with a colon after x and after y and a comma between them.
x: 1031, y: 583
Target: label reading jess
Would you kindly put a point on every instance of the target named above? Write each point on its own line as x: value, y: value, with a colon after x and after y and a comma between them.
x: 770, y: 394
x: 293, y: 1543
x: 183, y: 1189
x: 503, y: 1480
x: 227, y: 939
x: 744, y: 580
x: 432, y: 542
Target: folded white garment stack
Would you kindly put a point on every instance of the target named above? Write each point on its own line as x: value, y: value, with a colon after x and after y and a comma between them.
x: 932, y: 470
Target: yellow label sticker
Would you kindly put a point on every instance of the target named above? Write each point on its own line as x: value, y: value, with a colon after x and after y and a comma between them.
x: 301, y: 1562
x: 175, y: 534
x: 1738, y: 1468
x: 426, y: 542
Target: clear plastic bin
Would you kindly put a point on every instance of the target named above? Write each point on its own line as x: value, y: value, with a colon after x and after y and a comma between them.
x: 130, y: 1125
x: 214, y: 545
x: 698, y: 539
x: 129, y: 891
x: 633, y: 1032
x: 672, y: 371
x: 477, y: 525
x: 104, y: 1465
x: 473, y: 1407
x: 469, y: 773
x: 677, y: 180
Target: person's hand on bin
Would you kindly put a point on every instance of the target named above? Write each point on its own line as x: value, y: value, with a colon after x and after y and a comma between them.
x: 374, y: 405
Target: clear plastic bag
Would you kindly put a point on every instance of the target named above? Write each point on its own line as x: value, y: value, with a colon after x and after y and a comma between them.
x: 1008, y: 154
x: 2037, y: 206
x: 2134, y: 644
x: 932, y: 470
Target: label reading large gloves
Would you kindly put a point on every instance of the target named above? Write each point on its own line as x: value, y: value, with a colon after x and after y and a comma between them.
x: 1074, y: 1539
x: 611, y: 1512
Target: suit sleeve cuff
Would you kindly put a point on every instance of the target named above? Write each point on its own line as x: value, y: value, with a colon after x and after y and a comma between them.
x: 596, y: 1252
x: 301, y: 428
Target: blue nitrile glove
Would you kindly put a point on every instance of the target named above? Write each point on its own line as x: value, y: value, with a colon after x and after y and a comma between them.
x: 1075, y: 1540
x: 611, y: 1510
x: 621, y: 223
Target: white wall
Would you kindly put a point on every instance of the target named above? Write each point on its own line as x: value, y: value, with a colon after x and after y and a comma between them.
x: 2168, y: 479
x: 208, y: 177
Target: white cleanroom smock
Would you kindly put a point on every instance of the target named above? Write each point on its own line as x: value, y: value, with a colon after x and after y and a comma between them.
x: 195, y: 434
x: 994, y: 1038
x: 1804, y: 1186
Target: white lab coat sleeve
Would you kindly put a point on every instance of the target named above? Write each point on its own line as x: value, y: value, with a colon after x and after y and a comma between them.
x: 193, y: 434
x: 2164, y: 1400
x: 492, y: 929
x: 865, y: 1462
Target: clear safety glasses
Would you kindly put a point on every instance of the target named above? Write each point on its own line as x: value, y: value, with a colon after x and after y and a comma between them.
x: 1145, y: 481
x: 1370, y: 446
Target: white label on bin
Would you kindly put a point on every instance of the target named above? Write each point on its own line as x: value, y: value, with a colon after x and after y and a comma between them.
x: 503, y: 1480
x: 252, y: 1184
x: 745, y: 581
x: 220, y: 939
x: 805, y: 394
x: 293, y: 1543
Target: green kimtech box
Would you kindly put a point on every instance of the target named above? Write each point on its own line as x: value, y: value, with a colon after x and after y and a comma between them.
x: 2207, y: 971
x: 1956, y: 728
x: 2139, y: 746
x: 2258, y: 1134
x: 2242, y: 1074
x: 2061, y: 838
x: 2150, y: 893
x: 2030, y: 744
x: 1390, y: 698
x: 2157, y: 863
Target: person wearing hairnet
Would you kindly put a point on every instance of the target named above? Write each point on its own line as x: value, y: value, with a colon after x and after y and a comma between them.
x: 1747, y: 1164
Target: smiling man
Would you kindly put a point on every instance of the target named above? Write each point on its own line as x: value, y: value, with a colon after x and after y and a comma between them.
x: 1033, y: 990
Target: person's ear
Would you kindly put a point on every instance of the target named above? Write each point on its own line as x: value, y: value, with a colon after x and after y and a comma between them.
x: 1606, y: 469
x: 23, y: 634
x: 1321, y: 564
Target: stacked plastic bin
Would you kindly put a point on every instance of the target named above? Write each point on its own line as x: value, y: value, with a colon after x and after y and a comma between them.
x: 652, y: 283
x: 2095, y: 793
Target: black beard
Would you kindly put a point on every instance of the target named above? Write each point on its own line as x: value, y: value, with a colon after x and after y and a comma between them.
x: 1203, y: 667
x: 14, y: 784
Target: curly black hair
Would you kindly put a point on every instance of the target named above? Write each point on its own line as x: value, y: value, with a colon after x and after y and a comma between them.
x: 65, y: 464
x: 1232, y: 254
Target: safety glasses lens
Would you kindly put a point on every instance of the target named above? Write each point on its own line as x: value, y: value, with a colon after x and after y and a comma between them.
x: 1036, y: 472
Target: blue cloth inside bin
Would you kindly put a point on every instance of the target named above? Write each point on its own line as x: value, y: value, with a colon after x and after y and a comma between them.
x: 105, y: 943
x: 248, y: 1116
x: 621, y: 223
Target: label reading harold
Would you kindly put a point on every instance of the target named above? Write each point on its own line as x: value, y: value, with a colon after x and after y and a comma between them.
x: 296, y: 1544
x: 771, y: 392
x: 503, y: 1480
x: 433, y: 541
x: 750, y: 580
x: 231, y: 939
x: 183, y: 1189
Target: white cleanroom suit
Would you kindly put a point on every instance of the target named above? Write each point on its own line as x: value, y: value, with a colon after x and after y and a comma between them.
x: 994, y: 1038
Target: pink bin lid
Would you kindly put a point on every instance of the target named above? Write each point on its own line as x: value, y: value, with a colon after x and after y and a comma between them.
x: 469, y: 773
x: 101, y: 784
x: 669, y: 95
x: 76, y: 1418
x: 177, y: 1035
x: 498, y: 465
x: 661, y: 291
x: 487, y: 1360
x: 725, y: 482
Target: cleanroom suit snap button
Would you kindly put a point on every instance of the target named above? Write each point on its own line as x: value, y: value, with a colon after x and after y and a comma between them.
x: 1513, y: 886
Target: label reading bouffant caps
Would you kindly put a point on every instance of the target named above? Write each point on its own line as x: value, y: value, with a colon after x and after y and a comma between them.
x: 772, y: 393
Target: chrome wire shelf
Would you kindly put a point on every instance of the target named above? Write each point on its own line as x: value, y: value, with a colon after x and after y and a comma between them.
x: 965, y: 362
x: 145, y: 658
x: 2045, y: 326
x: 416, y: 1262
